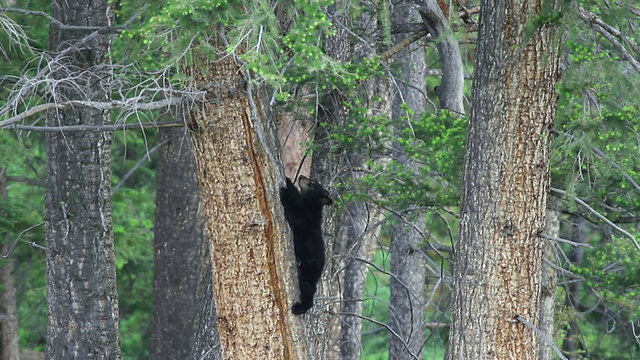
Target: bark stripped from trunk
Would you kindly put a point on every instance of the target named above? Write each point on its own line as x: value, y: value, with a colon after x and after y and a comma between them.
x: 245, y: 222
x: 506, y: 181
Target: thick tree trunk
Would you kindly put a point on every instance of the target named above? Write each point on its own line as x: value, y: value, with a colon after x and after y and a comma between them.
x: 82, y: 303
x: 234, y: 142
x: 183, y: 300
x: 499, y: 254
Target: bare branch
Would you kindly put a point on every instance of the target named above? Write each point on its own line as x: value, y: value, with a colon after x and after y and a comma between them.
x: 610, y: 33
x: 113, y: 127
x: 129, y: 105
x: 31, y: 84
x: 138, y: 164
x: 48, y: 17
x: 5, y: 256
x: 565, y: 241
x: 600, y: 216
x: 389, y: 329
x: 604, y: 156
x: 543, y: 336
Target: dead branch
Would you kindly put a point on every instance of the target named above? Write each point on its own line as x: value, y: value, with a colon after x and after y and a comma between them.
x: 613, y: 35
x: 98, y: 128
x: 129, y: 105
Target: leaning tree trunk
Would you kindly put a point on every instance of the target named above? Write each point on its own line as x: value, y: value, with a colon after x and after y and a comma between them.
x: 82, y: 303
x: 234, y: 141
x: 498, y: 265
x: 184, y: 318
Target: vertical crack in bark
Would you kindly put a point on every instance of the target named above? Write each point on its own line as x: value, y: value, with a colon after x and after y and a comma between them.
x: 269, y: 235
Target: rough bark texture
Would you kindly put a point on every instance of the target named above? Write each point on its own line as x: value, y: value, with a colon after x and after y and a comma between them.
x: 82, y: 303
x: 407, y: 263
x: 499, y: 254
x: 234, y: 143
x: 549, y: 285
x: 8, y: 311
x: 182, y: 274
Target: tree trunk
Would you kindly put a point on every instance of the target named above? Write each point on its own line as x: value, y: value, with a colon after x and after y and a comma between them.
x: 498, y: 264
x: 234, y: 141
x: 82, y: 303
x: 357, y: 247
x: 549, y: 284
x: 450, y: 91
x: 8, y: 310
x: 571, y: 342
x: 408, y: 280
x: 183, y: 300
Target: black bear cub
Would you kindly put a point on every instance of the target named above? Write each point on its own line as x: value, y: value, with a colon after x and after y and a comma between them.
x: 303, y: 211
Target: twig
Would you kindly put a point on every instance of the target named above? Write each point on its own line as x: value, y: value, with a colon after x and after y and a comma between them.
x: 389, y: 329
x: 138, y: 164
x: 18, y: 238
x: 565, y: 241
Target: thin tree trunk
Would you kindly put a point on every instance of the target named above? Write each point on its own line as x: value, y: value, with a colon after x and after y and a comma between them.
x: 549, y: 285
x: 498, y: 264
x: 450, y: 91
x: 182, y: 261
x: 407, y: 263
x: 234, y: 141
x: 82, y: 302
x: 357, y: 248
x: 571, y: 341
x: 8, y: 310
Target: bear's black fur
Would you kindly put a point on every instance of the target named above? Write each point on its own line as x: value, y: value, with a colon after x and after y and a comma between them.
x: 303, y: 211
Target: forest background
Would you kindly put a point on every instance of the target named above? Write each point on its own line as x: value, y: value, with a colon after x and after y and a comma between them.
x: 373, y: 98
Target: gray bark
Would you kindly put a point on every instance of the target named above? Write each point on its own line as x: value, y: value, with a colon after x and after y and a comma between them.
x: 408, y: 270
x: 184, y: 318
x: 82, y: 302
x: 571, y: 342
x: 8, y: 310
x: 450, y: 90
x: 356, y: 248
x: 498, y: 264
x: 549, y: 285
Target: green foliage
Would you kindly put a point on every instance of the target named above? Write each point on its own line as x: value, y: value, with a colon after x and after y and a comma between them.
x: 21, y: 223
x: 133, y: 218
x: 375, y: 337
x: 425, y: 164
